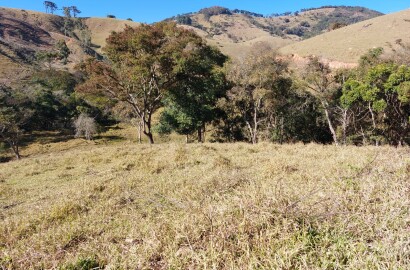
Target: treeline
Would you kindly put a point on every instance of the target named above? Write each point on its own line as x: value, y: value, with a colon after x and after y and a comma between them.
x: 202, y: 92
x: 258, y: 98
x: 355, y: 8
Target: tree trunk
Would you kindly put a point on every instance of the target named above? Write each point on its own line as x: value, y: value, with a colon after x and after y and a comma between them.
x: 344, y: 126
x: 200, y: 135
x: 140, y: 123
x: 147, y: 128
x: 150, y: 136
x: 329, y: 122
x: 187, y: 139
x: 15, y: 149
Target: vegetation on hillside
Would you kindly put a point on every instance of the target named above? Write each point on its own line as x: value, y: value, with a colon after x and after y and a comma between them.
x: 107, y: 202
x: 169, y: 74
x: 285, y: 24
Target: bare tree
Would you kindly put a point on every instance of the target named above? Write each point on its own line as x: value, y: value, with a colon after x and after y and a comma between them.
x: 85, y: 126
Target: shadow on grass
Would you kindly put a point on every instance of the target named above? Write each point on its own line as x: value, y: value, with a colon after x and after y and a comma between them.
x: 111, y: 138
x: 4, y: 159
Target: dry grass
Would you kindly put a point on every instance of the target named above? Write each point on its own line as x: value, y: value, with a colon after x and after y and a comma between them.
x: 349, y: 43
x: 209, y: 206
x: 101, y: 28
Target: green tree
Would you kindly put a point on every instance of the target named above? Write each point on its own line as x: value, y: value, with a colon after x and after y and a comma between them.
x: 320, y: 81
x: 382, y: 100
x: 15, y: 113
x: 256, y: 80
x: 200, y: 81
x: 50, y: 6
x: 62, y: 51
x: 75, y: 11
x: 143, y: 68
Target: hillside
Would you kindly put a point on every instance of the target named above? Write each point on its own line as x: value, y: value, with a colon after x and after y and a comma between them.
x: 347, y: 44
x: 235, y: 31
x: 80, y: 205
x: 24, y: 33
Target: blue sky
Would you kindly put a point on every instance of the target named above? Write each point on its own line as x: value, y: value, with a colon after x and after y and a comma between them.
x: 156, y: 10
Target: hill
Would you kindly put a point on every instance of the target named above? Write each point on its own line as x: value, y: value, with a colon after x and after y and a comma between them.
x: 25, y: 33
x: 235, y: 31
x: 79, y: 205
x: 347, y: 44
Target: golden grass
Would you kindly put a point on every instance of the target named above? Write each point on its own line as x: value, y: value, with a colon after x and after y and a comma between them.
x: 349, y: 43
x: 101, y: 28
x: 206, y: 206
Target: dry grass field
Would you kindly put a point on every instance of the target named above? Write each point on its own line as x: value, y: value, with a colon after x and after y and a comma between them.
x: 120, y: 205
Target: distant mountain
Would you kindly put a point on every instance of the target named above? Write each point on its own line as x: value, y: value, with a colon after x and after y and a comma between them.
x: 23, y: 34
x: 235, y: 31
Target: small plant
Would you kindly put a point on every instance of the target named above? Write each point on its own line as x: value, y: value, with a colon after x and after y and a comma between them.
x: 84, y: 264
x: 111, y: 16
x: 85, y: 126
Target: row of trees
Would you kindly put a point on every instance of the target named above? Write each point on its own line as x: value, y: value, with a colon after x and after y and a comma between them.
x: 166, y: 70
x: 51, y: 7
x: 256, y: 98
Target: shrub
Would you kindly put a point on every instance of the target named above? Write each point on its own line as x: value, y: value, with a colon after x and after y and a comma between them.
x: 305, y: 24
x: 111, y: 16
x: 85, y: 126
x: 183, y: 19
x: 216, y: 10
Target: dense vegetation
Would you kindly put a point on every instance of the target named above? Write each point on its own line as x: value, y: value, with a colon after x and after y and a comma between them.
x: 256, y: 99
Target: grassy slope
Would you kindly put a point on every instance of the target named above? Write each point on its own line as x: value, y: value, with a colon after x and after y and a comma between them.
x: 349, y: 43
x: 32, y: 31
x: 210, y: 206
x: 101, y: 28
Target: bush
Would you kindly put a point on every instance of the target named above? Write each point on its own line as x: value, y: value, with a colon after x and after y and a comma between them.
x: 183, y: 19
x: 305, y: 24
x: 216, y: 10
x: 85, y: 126
x: 111, y: 16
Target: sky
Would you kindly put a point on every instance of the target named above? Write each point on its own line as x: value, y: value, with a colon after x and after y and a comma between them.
x: 149, y: 11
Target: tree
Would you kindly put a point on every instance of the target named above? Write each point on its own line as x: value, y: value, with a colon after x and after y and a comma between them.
x: 14, y: 115
x: 67, y: 12
x: 75, y: 11
x: 381, y: 100
x: 256, y: 79
x: 62, y: 51
x: 68, y: 23
x: 50, y: 6
x: 321, y: 83
x: 143, y: 67
x: 191, y: 102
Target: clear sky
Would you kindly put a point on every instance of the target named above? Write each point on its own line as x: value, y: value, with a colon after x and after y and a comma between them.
x: 156, y: 10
